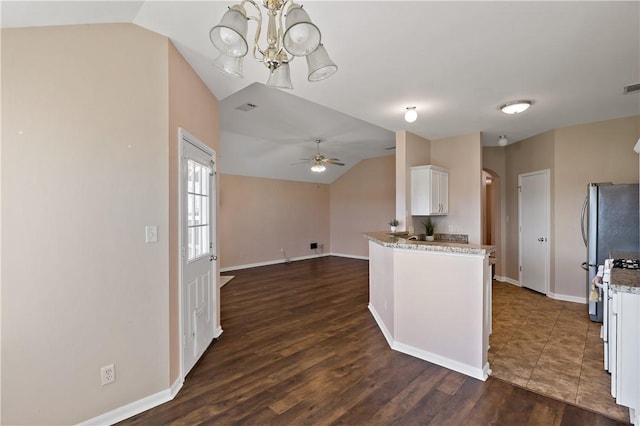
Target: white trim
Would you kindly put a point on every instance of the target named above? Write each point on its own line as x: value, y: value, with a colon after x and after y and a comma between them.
x: 176, y: 386
x: 136, y: 407
x: 547, y: 175
x: 476, y: 373
x: 350, y: 256
x: 216, y: 333
x: 381, y: 325
x: 270, y: 262
x: 637, y: 147
x: 486, y: 370
x: 508, y: 280
x: 186, y: 137
x: 568, y: 298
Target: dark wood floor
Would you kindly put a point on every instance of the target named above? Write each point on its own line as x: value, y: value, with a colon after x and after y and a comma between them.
x: 300, y: 348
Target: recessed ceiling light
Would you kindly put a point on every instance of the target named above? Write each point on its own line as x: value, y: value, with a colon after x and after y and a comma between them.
x: 411, y: 115
x: 515, y: 107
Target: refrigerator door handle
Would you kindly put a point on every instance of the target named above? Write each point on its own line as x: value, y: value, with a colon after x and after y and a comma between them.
x: 583, y: 218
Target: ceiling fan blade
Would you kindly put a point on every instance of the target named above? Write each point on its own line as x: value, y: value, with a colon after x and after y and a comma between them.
x: 299, y: 162
x: 335, y: 163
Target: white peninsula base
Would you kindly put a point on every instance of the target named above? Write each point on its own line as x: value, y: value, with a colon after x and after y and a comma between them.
x: 433, y: 301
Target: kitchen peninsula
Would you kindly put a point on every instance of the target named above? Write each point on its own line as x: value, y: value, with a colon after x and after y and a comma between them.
x: 432, y: 300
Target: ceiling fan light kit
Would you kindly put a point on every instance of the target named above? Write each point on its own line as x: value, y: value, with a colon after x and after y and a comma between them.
x: 502, y: 140
x: 297, y: 37
x: 319, y: 161
x: 318, y: 167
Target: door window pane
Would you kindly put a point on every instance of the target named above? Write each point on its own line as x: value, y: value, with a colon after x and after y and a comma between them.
x: 198, y: 199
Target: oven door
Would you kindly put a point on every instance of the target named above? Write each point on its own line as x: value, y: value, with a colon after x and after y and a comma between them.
x: 613, y: 340
x: 606, y: 279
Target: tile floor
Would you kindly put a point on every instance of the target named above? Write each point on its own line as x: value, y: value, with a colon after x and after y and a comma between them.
x: 550, y: 347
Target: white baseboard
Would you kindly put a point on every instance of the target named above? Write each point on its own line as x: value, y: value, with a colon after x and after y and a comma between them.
x: 271, y: 262
x: 176, y: 386
x: 136, y: 407
x: 350, y: 256
x: 476, y: 373
x: 507, y: 280
x: 562, y: 297
x: 381, y: 325
x: 567, y: 298
x: 217, y: 332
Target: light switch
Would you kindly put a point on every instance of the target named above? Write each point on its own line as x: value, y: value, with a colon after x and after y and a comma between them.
x: 151, y: 233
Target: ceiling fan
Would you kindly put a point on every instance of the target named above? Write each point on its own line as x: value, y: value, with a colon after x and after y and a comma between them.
x: 318, y: 161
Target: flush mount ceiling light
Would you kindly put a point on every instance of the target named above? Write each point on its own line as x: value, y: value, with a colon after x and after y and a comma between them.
x: 502, y: 140
x: 297, y: 37
x: 411, y: 115
x: 515, y: 107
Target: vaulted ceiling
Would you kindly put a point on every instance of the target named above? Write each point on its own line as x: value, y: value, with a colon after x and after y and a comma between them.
x: 455, y: 61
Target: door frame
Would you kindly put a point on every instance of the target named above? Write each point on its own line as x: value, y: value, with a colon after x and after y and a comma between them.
x: 547, y: 174
x: 185, y: 137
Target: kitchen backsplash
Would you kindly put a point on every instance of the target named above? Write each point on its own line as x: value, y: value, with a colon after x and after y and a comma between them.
x: 452, y: 238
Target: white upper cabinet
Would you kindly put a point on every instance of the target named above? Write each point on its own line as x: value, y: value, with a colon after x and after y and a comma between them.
x: 429, y: 191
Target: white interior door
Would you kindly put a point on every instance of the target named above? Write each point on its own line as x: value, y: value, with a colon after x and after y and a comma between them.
x: 534, y: 219
x: 198, y: 284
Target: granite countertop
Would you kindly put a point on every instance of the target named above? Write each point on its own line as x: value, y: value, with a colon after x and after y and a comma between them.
x: 400, y: 240
x: 625, y: 280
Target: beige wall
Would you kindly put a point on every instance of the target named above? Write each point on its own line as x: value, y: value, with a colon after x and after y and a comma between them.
x: 259, y: 217
x: 595, y: 152
x: 462, y: 155
x: 530, y: 155
x: 575, y: 155
x: 362, y: 200
x: 84, y: 169
x: 194, y: 108
x: 411, y: 150
x: 493, y: 161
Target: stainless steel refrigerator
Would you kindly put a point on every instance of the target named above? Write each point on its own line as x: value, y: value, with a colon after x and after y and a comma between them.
x: 612, y: 224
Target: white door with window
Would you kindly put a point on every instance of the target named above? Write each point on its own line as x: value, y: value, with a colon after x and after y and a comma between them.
x: 534, y: 220
x: 198, y: 285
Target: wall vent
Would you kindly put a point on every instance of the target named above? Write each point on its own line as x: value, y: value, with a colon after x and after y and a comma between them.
x: 246, y: 107
x: 631, y: 88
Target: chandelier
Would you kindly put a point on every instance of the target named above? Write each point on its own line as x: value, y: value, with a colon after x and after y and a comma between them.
x: 298, y: 37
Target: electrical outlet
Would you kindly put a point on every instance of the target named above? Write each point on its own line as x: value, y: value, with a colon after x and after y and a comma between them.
x: 151, y: 233
x: 313, y: 246
x: 108, y: 374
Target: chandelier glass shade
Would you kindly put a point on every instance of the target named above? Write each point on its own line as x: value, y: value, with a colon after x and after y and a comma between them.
x: 318, y: 167
x: 298, y: 37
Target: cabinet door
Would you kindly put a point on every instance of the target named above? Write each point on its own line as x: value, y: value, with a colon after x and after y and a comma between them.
x: 628, y: 344
x: 429, y: 191
x: 420, y: 189
x: 434, y: 203
x: 443, y: 191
